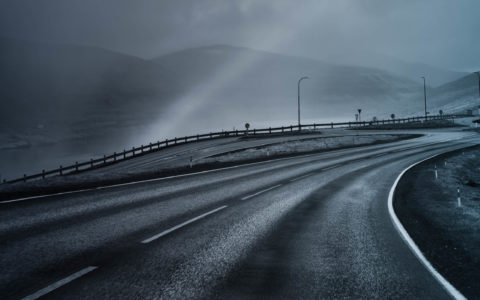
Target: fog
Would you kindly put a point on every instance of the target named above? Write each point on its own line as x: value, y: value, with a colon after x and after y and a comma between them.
x: 86, y: 78
x: 437, y: 32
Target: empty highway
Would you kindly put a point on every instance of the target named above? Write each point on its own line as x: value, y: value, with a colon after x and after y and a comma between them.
x: 309, y: 227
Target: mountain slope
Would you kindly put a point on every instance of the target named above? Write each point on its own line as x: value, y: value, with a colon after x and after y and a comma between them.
x: 457, y: 96
x: 69, y: 90
x: 435, y: 76
x: 249, y: 85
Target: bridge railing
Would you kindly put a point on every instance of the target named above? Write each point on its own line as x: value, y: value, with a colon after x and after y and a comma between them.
x: 159, y: 145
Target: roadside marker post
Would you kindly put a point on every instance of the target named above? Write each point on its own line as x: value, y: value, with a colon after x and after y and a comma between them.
x: 459, y: 200
x: 191, y: 162
x: 436, y: 172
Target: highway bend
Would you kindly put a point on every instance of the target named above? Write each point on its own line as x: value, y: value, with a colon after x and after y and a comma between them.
x: 309, y: 227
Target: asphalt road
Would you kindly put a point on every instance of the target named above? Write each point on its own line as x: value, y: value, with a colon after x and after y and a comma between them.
x: 309, y: 227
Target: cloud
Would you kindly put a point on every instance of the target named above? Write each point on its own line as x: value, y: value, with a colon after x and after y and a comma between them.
x: 438, y: 32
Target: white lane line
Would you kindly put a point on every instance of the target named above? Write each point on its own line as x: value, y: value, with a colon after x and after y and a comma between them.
x: 329, y: 168
x: 163, y: 233
x: 298, y: 178
x: 169, y: 177
x: 59, y: 283
x: 411, y: 244
x: 262, y: 191
x: 154, y: 179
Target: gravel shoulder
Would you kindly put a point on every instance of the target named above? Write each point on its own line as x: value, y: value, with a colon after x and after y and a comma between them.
x: 447, y: 234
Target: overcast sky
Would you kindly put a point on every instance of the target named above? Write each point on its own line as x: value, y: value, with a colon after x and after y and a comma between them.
x: 442, y: 33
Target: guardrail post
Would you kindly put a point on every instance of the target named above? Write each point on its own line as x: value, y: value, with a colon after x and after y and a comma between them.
x: 282, y: 129
x: 210, y: 135
x: 114, y: 156
x: 185, y: 139
x: 124, y: 154
x: 175, y: 141
x: 133, y: 151
x: 254, y: 131
x: 150, y: 146
x: 60, y: 170
x: 166, y: 142
x: 91, y: 162
x: 24, y: 177
x: 141, y: 148
x: 236, y: 132
x: 291, y: 128
x: 104, y: 159
x: 76, y: 166
x: 43, y: 173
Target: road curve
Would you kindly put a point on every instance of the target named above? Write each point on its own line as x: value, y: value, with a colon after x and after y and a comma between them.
x: 309, y: 227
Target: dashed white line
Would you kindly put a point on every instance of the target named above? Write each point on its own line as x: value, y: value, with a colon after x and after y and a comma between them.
x: 262, y: 191
x: 298, y: 178
x: 329, y: 168
x: 163, y: 233
x: 411, y: 244
x: 153, y: 179
x: 59, y: 283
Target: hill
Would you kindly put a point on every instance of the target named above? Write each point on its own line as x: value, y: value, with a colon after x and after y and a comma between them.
x: 413, y: 70
x: 61, y: 103
x: 235, y: 85
x: 68, y: 91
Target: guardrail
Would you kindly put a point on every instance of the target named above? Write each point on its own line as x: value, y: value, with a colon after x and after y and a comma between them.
x: 153, y: 147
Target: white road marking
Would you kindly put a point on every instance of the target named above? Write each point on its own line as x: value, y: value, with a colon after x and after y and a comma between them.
x: 60, y: 283
x: 298, y: 178
x: 262, y: 191
x: 152, y: 180
x: 163, y: 233
x: 169, y: 177
x: 329, y: 168
x: 411, y: 244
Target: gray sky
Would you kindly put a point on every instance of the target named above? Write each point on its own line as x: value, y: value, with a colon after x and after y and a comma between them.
x: 442, y: 33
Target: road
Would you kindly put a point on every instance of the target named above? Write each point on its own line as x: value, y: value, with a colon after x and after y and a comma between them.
x: 309, y: 227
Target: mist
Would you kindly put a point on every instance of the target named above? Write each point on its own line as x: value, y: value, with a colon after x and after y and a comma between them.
x: 83, y: 79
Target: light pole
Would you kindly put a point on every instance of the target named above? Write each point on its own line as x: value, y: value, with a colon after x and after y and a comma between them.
x: 478, y: 75
x: 359, y: 115
x: 425, y: 96
x: 300, y: 80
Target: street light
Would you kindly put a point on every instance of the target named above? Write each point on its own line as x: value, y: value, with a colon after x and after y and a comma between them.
x: 425, y: 96
x: 305, y: 77
x: 478, y: 75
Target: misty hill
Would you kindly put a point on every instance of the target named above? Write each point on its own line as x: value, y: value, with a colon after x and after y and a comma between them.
x: 60, y: 103
x: 412, y: 70
x: 56, y: 92
x: 456, y: 96
x: 248, y: 85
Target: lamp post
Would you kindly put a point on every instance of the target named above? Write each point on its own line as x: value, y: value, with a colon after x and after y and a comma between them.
x: 300, y: 80
x: 425, y: 96
x: 478, y: 75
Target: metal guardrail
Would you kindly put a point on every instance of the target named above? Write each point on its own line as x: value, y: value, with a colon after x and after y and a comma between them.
x: 153, y: 147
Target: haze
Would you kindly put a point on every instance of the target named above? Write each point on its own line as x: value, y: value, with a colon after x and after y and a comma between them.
x: 92, y: 77
x: 437, y: 32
